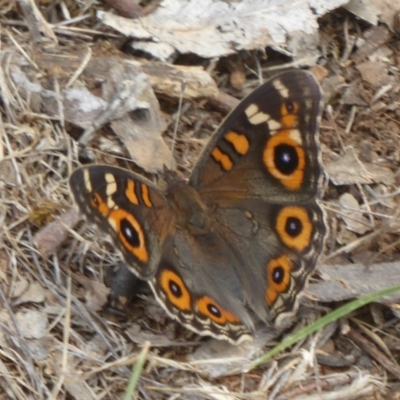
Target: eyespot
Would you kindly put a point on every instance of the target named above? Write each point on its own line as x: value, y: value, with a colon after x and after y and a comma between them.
x: 129, y: 233
x: 175, y: 290
x: 289, y: 114
x: 289, y: 107
x: 294, y: 227
x: 278, y: 278
x: 286, y: 159
x: 211, y: 309
x: 278, y: 274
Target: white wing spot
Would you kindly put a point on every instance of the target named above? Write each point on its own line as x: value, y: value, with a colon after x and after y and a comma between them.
x: 251, y: 110
x: 255, y: 116
x: 113, y: 224
x: 281, y: 88
x: 274, y: 126
x: 259, y: 118
x: 111, y: 204
x: 111, y: 184
x: 296, y: 136
x: 86, y: 179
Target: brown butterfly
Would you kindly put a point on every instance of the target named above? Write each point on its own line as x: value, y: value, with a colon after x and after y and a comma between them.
x: 241, y: 238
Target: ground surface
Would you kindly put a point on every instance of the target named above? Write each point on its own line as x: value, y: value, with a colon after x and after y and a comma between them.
x: 56, y: 339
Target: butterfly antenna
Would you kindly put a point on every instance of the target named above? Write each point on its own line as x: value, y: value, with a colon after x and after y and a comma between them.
x: 178, y: 117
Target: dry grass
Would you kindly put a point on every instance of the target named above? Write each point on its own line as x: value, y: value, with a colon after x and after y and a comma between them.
x: 55, y: 340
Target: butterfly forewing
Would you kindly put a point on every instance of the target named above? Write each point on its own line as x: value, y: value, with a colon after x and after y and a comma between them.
x: 267, y: 148
x: 127, y: 206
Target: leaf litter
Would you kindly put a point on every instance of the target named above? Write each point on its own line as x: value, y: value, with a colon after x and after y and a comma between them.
x: 55, y: 339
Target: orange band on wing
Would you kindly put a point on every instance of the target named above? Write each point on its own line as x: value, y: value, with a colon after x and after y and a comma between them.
x: 130, y: 193
x: 223, y: 159
x: 239, y: 142
x: 146, y: 195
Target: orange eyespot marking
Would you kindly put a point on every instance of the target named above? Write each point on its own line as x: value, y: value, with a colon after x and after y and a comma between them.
x: 239, y: 142
x: 289, y: 113
x: 97, y: 202
x: 130, y: 193
x: 278, y: 278
x: 146, y: 196
x: 175, y: 290
x: 294, y: 227
x: 130, y: 233
x: 210, y: 309
x: 222, y: 159
x: 284, y: 159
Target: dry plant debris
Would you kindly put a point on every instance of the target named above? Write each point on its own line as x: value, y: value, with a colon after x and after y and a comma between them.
x: 60, y: 71
x: 224, y: 27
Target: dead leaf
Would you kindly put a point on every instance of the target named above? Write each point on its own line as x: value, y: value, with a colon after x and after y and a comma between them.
x: 373, y: 11
x: 140, y: 131
x: 32, y: 323
x: 73, y: 381
x: 351, y: 95
x: 350, y: 212
x: 95, y: 292
x: 53, y: 235
x: 375, y: 73
x: 137, y: 335
x: 364, y: 9
x: 373, y: 40
x: 347, y: 169
x: 7, y: 173
x: 215, y: 28
x: 39, y: 348
x: 351, y: 281
x: 26, y: 292
x: 226, y: 358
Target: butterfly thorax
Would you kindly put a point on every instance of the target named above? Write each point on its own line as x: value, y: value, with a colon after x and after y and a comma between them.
x: 191, y: 211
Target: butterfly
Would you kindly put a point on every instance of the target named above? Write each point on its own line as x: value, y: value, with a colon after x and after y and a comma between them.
x: 239, y: 240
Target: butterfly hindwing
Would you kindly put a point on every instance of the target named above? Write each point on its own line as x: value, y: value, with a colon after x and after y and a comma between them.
x: 277, y: 247
x: 194, y: 284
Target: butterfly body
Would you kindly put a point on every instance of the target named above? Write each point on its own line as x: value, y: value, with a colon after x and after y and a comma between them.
x: 241, y: 238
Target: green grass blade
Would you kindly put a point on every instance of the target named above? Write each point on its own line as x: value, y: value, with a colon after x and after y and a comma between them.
x: 324, y: 321
x: 136, y: 372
